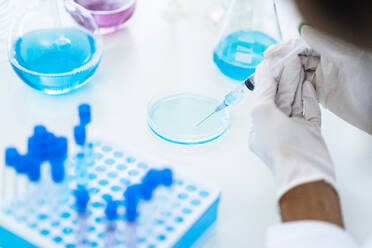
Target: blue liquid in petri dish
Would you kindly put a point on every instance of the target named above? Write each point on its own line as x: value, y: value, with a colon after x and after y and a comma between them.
x: 55, y: 61
x: 239, y: 53
x: 175, y: 118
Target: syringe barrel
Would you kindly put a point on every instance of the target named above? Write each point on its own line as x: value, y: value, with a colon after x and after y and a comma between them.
x: 236, y: 95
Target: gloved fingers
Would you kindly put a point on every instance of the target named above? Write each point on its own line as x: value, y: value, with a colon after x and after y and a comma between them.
x: 291, y: 77
x: 297, y: 106
x: 266, y: 86
x: 311, y: 108
x: 309, y: 62
x: 281, y: 49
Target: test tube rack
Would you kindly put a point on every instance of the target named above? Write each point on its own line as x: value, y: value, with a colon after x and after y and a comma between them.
x: 178, y: 216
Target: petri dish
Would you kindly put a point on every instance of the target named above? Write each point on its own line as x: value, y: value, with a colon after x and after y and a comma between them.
x: 175, y: 118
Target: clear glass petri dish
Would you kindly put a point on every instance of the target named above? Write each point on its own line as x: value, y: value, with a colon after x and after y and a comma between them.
x: 174, y: 118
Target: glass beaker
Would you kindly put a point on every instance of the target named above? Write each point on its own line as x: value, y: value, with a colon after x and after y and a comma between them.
x: 251, y: 26
x: 55, y: 46
x: 110, y: 15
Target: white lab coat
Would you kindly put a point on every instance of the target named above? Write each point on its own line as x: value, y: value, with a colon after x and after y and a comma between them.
x: 310, y: 234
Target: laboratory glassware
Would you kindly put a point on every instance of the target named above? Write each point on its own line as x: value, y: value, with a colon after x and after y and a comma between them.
x: 250, y: 27
x: 6, y: 15
x: 238, y: 94
x: 173, y: 118
x: 217, y: 11
x: 55, y: 46
x: 110, y: 15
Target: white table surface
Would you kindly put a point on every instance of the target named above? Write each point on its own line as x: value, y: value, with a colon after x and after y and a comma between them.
x: 152, y: 58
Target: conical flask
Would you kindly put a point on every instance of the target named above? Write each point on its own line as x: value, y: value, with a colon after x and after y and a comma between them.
x: 55, y: 46
x: 251, y: 26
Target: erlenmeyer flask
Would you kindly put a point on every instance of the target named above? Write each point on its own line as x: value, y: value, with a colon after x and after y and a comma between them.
x: 55, y: 46
x: 251, y: 26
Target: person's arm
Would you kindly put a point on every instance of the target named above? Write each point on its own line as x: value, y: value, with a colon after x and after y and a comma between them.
x: 311, y: 201
x: 286, y: 136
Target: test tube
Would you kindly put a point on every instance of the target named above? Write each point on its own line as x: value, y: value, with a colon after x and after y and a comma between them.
x: 81, y: 169
x: 22, y: 169
x: 81, y: 202
x: 111, y: 213
x: 8, y: 177
x: 33, y: 191
x: 89, y: 151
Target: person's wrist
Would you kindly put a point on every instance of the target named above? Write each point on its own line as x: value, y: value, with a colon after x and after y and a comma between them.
x: 290, y: 172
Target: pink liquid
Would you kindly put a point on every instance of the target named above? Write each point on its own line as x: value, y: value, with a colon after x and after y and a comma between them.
x: 110, y: 15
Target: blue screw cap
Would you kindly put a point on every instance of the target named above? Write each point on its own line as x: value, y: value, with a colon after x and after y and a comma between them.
x: 151, y: 179
x: 80, y: 135
x: 147, y: 192
x: 58, y: 151
x: 82, y: 198
x: 131, y: 213
x: 40, y: 131
x: 34, y: 173
x: 22, y: 165
x: 84, y: 114
x: 33, y: 147
x: 132, y: 193
x: 111, y: 210
x: 166, y: 177
x: 58, y: 171
x: 11, y: 156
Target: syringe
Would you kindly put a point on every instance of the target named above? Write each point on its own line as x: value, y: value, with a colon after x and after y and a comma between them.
x: 239, y: 93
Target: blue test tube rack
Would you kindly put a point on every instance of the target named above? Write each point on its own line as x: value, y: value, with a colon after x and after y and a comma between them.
x: 120, y: 183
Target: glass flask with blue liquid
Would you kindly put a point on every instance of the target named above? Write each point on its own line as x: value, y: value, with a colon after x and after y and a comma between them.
x: 250, y: 27
x: 55, y: 46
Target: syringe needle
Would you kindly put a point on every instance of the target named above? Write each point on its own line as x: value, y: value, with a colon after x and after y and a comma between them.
x: 206, y: 118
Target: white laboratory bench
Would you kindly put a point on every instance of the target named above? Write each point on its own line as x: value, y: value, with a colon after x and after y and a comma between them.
x: 151, y: 58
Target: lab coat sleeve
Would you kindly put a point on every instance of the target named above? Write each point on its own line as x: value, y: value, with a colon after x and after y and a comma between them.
x: 309, y: 234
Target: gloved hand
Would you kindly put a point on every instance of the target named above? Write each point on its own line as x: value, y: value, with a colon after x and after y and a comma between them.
x: 286, y: 119
x: 343, y: 79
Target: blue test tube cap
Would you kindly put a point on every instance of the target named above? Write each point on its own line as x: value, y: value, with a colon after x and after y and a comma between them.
x: 11, y: 156
x: 23, y: 164
x: 58, y: 171
x: 133, y: 193
x: 46, y: 145
x: 111, y: 210
x: 40, y: 131
x: 82, y: 198
x: 147, y: 192
x: 59, y: 149
x: 80, y: 135
x: 84, y: 114
x: 166, y: 177
x: 34, y: 173
x: 33, y: 146
x: 151, y: 179
x: 131, y: 213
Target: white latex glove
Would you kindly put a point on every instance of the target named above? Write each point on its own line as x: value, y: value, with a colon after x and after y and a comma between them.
x: 286, y: 124
x: 343, y: 79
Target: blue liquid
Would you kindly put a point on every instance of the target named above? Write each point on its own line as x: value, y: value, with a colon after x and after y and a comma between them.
x: 239, y: 53
x: 55, y: 61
